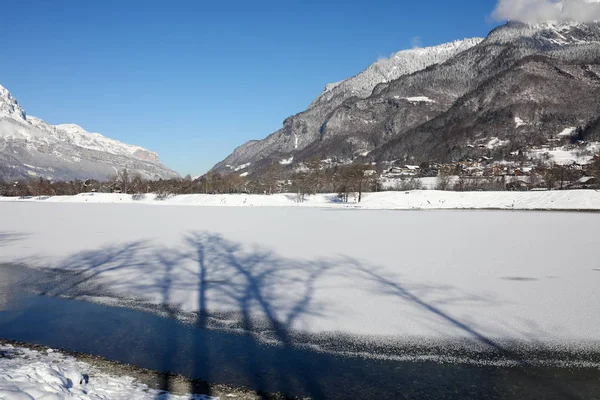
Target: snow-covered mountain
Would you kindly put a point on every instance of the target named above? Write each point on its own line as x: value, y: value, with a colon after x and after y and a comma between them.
x: 546, y: 35
x: 9, y: 107
x: 521, y: 86
x: 30, y: 147
x: 304, y: 129
x: 387, y: 69
x: 433, y: 104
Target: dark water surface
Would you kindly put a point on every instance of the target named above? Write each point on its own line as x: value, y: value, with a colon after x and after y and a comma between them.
x: 164, y: 344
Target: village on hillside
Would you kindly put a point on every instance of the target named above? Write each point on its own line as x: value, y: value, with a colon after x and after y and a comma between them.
x: 559, y: 165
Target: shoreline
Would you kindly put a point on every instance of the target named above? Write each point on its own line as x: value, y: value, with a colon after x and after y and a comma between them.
x: 168, y: 382
x: 460, y: 350
x: 449, y: 357
x: 582, y: 201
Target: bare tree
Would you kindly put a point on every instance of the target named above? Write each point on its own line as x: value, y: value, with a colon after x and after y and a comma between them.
x: 408, y: 183
x: 444, y: 180
x: 558, y: 175
x: 120, y: 181
x: 594, y: 168
x: 355, y: 178
x: 124, y: 180
x: 40, y: 187
x: 302, y: 185
x: 534, y: 179
x: 270, y: 178
x: 138, y: 186
x: 233, y: 183
x: 314, y: 179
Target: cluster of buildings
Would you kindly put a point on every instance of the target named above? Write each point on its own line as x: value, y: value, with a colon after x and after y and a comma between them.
x: 517, y: 175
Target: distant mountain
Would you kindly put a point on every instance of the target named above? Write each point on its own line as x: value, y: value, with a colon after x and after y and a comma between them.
x: 305, y: 128
x: 30, y: 147
x: 520, y: 86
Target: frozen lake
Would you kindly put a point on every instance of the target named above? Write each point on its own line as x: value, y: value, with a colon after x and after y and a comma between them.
x: 400, y: 277
x: 320, y: 302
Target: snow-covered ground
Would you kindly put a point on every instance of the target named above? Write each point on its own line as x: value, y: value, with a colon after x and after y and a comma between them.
x: 564, y: 155
x: 420, y: 199
x: 27, y: 374
x: 487, y: 275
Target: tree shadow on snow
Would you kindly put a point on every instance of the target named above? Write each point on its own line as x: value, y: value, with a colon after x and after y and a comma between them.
x: 251, y: 282
x: 382, y: 282
x: 248, y: 289
x: 9, y: 237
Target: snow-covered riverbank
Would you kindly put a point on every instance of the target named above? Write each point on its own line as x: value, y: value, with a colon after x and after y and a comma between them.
x: 420, y: 200
x: 27, y: 374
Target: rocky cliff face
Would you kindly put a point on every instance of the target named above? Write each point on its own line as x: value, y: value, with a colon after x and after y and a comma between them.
x: 519, y: 86
x: 30, y: 147
x: 304, y: 129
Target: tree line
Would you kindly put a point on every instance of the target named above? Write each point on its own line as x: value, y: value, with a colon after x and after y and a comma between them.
x: 344, y: 180
x: 348, y: 181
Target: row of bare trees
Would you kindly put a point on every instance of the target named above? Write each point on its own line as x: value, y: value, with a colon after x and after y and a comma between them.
x: 348, y: 180
x: 272, y: 179
x: 344, y: 180
x: 44, y: 187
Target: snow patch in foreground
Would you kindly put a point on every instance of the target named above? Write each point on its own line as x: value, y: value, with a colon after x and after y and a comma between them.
x: 30, y: 374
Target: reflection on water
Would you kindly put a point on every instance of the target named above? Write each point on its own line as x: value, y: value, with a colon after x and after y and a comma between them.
x: 15, y: 281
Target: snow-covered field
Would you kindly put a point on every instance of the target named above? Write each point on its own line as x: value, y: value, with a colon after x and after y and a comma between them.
x: 30, y: 374
x: 420, y: 199
x: 485, y: 275
x: 564, y: 155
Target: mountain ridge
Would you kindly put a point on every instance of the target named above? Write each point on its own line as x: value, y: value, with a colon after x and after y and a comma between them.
x: 302, y: 129
x: 386, y: 124
x: 31, y: 147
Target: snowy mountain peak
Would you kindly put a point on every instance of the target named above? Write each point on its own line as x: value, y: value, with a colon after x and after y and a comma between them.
x: 95, y: 141
x: 307, y: 127
x: 384, y: 70
x: 65, y: 151
x: 549, y: 34
x: 9, y: 107
x: 74, y: 129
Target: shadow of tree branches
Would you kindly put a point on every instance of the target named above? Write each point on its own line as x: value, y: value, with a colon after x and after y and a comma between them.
x: 252, y: 283
x: 382, y: 282
x: 252, y: 289
x: 9, y: 237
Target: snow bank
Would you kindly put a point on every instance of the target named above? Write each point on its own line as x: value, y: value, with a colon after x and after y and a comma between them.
x: 425, y: 200
x: 542, y: 200
x: 29, y: 374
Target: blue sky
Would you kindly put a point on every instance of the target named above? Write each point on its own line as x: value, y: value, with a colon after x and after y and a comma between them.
x: 192, y: 80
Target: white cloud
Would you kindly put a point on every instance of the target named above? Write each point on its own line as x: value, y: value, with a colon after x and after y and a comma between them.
x: 416, y: 42
x: 533, y: 11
